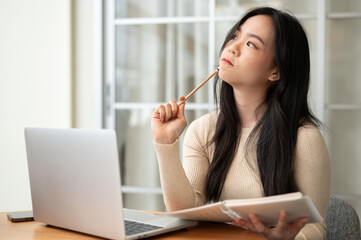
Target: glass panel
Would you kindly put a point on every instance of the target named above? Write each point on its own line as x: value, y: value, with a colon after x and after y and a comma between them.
x: 156, y: 63
x: 344, y: 135
x: 238, y: 7
x: 334, y: 6
x: 343, y: 61
x: 160, y: 8
x: 136, y: 152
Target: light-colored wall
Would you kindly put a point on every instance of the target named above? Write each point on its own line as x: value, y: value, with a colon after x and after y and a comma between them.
x: 87, y: 88
x: 45, y: 81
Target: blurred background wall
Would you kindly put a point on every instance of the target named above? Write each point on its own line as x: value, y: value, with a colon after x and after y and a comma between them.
x: 46, y: 58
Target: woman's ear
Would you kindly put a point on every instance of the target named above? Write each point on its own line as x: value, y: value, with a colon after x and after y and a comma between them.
x: 275, y: 75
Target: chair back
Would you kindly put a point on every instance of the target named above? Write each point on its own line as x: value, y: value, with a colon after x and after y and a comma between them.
x: 342, y: 221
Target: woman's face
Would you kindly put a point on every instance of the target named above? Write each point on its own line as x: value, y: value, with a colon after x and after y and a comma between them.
x: 248, y: 58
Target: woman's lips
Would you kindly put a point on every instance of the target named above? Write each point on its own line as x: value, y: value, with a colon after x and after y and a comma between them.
x: 227, y: 61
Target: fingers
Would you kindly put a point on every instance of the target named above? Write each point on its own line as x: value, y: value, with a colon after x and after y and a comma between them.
x: 181, y: 107
x: 160, y: 111
x: 258, y: 225
x: 243, y: 224
x: 174, y: 107
x: 254, y: 225
x: 182, y: 100
x: 302, y: 222
x: 282, y: 220
x: 282, y: 230
x: 294, y: 228
x: 169, y: 111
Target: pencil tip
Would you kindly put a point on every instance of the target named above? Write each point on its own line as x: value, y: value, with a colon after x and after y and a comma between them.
x: 217, y: 69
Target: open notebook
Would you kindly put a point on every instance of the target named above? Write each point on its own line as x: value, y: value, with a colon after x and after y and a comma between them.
x: 267, y: 209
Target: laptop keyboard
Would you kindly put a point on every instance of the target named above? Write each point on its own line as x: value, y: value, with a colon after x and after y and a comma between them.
x: 132, y: 228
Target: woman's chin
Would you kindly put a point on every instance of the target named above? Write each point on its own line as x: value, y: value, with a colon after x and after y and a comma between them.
x: 222, y: 75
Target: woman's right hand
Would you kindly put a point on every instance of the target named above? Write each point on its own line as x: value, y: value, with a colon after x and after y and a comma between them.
x: 168, y: 122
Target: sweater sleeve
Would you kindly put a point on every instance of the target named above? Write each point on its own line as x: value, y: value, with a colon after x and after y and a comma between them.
x: 312, y: 176
x: 184, y: 186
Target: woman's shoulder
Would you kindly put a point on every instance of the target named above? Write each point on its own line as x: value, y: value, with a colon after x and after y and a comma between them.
x: 309, y: 130
x: 309, y: 136
x: 204, y: 126
x: 209, y: 119
x: 311, y: 149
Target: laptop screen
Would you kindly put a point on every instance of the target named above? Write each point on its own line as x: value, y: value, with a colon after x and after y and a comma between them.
x: 75, y: 180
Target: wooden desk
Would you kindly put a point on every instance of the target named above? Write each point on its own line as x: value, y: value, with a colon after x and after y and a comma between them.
x: 38, y: 231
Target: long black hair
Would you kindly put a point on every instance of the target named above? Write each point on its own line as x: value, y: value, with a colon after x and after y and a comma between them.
x: 286, y: 110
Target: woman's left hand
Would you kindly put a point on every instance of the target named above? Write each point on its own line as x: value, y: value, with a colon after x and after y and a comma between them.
x: 282, y: 230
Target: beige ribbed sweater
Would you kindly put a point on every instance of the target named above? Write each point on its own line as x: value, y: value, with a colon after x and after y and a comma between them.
x: 184, y: 186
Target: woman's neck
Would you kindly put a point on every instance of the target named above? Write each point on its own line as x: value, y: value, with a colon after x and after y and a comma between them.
x: 248, y: 102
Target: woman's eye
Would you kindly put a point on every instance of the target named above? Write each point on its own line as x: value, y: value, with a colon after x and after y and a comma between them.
x: 234, y: 37
x: 251, y: 44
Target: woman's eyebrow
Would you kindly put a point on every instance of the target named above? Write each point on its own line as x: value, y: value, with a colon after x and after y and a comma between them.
x: 257, y: 37
x: 251, y: 35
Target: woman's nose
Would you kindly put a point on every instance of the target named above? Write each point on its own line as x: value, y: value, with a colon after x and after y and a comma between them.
x: 234, y: 49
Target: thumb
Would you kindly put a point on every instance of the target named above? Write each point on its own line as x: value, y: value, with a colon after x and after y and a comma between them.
x: 181, y: 107
x: 302, y: 222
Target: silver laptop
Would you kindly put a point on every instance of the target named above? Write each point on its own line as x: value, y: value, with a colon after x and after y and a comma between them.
x: 75, y: 184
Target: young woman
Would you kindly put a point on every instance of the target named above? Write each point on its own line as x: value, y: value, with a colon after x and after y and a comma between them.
x: 262, y: 141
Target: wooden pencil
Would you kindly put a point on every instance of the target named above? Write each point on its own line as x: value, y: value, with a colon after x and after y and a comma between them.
x: 198, y: 87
